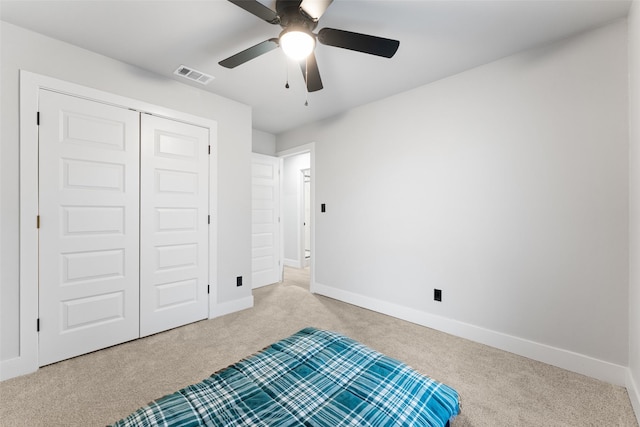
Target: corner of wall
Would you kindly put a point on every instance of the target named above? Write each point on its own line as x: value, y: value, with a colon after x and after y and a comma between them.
x: 634, y: 393
x: 633, y: 374
x: 263, y: 143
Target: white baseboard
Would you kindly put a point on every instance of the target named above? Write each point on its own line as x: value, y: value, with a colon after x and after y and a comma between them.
x: 16, y: 367
x: 295, y: 263
x: 220, y: 309
x: 634, y: 394
x: 23, y: 365
x: 571, y: 361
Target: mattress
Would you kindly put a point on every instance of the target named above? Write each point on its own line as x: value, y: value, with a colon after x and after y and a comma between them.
x: 312, y: 378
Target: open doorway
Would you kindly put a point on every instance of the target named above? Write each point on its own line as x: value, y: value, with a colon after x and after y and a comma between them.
x: 306, y: 207
x: 293, y: 208
x: 297, y: 201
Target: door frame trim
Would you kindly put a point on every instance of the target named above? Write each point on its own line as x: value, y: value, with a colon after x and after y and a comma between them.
x: 27, y: 360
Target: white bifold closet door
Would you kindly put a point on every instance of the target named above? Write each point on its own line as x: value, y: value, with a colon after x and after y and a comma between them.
x: 89, y: 239
x: 174, y: 206
x: 123, y: 239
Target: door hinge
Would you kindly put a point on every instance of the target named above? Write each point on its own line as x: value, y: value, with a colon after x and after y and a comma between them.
x: 208, y: 219
x: 38, y: 118
x: 38, y: 324
x: 38, y: 221
x: 208, y: 286
x: 209, y: 149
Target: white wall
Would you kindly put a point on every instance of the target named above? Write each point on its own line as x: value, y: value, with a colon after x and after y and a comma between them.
x: 292, y: 216
x: 506, y: 186
x: 22, y: 49
x: 263, y: 143
x: 634, y: 206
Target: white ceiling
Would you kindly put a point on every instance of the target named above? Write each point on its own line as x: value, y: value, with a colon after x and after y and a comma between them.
x: 437, y: 39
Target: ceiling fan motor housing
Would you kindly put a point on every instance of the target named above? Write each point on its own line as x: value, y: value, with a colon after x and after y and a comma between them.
x: 291, y: 15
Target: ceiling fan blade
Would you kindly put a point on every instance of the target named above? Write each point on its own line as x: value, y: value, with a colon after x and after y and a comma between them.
x: 311, y: 73
x: 258, y: 9
x: 248, y: 54
x: 359, y: 42
x: 314, y: 9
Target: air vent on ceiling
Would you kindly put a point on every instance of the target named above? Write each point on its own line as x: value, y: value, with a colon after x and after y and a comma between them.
x: 194, y: 75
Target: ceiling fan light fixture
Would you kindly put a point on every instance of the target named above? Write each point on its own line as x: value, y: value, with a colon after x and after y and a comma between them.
x: 297, y: 43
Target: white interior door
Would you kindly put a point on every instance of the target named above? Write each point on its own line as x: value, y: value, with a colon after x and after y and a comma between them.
x: 265, y: 214
x: 174, y: 208
x: 88, y: 206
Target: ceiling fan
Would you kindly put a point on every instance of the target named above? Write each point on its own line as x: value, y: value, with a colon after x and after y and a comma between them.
x: 299, y: 18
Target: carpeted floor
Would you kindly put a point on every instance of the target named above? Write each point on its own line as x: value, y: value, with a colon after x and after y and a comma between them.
x: 497, y: 388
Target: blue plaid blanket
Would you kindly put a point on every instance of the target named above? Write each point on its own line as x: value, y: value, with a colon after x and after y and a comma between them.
x: 313, y: 378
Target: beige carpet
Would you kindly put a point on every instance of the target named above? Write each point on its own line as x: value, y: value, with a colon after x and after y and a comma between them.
x: 496, y: 388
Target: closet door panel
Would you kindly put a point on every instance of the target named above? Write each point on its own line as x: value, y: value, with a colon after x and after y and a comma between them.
x: 174, y: 224
x: 88, y: 203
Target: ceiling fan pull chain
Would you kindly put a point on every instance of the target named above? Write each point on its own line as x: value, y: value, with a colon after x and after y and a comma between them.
x: 287, y: 66
x: 306, y: 81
